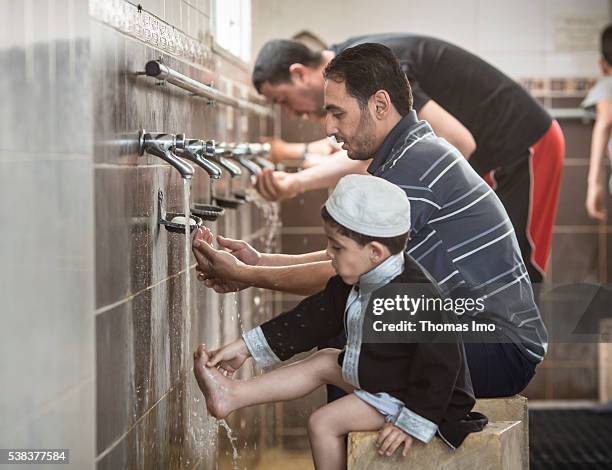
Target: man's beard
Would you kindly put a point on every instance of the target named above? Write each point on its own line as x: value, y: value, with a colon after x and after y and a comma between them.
x: 364, y: 137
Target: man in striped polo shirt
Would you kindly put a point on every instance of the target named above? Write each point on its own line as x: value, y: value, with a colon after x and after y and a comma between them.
x: 461, y: 234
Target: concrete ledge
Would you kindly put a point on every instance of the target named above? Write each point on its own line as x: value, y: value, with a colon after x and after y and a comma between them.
x: 498, y: 446
x: 509, y: 409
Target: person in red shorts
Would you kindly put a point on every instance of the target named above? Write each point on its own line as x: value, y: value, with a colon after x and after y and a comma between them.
x: 529, y: 190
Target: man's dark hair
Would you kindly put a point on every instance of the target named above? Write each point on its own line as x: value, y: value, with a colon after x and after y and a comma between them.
x: 275, y: 58
x: 606, y: 44
x: 394, y: 244
x: 367, y: 68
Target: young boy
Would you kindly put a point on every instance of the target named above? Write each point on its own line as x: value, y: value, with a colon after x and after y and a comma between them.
x: 409, y: 389
x: 600, y: 99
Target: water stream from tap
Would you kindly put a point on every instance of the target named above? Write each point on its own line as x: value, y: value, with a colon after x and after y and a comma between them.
x: 232, y: 440
x: 186, y: 210
x: 271, y: 215
x: 191, y: 423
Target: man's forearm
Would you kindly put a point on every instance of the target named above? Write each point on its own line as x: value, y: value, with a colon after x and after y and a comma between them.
x: 294, y: 150
x: 327, y: 173
x: 279, y: 259
x: 301, y: 279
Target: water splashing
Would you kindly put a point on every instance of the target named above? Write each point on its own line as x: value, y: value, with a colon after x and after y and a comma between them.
x: 187, y: 211
x: 232, y: 440
x: 271, y: 215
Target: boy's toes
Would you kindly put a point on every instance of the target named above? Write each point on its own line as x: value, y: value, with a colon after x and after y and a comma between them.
x: 199, y: 352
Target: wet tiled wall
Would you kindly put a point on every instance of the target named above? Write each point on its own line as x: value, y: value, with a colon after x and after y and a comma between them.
x: 47, y: 375
x: 149, y: 411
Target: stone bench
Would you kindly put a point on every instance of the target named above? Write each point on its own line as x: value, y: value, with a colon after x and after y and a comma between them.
x: 605, y: 361
x: 509, y: 409
x: 503, y: 444
x: 498, y: 446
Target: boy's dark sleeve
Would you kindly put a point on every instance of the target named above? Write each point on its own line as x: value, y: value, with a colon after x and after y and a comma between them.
x: 314, y: 320
x: 432, y: 380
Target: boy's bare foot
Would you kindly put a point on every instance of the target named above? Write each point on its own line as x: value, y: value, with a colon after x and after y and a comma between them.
x: 217, y: 388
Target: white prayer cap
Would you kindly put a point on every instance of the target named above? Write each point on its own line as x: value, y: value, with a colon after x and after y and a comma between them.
x: 370, y: 206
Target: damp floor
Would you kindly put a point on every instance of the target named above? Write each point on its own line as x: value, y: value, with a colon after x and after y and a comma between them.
x: 570, y: 439
x: 560, y: 439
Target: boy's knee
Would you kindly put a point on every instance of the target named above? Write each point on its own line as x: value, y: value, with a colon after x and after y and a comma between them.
x: 328, y: 352
x: 328, y: 356
x: 318, y: 423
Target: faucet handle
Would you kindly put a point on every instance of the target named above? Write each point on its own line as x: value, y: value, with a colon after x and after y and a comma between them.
x: 204, y: 147
x: 259, y: 149
x: 180, y: 141
x: 240, y: 150
x: 193, y: 145
x: 162, y: 146
x: 163, y: 140
x: 224, y: 149
x: 209, y: 148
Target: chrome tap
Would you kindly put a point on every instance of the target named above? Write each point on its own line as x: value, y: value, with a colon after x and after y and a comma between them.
x: 240, y: 152
x: 259, y: 149
x: 221, y: 151
x: 162, y: 146
x: 196, y: 151
x: 259, y: 152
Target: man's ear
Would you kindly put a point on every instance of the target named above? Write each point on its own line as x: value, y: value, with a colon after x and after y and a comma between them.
x: 297, y: 71
x: 382, y: 104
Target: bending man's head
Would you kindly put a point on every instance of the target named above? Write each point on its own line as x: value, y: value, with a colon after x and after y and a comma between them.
x: 366, y: 94
x: 290, y: 74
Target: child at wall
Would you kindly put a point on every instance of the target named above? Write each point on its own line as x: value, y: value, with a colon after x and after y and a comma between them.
x: 408, y: 390
x: 599, y: 98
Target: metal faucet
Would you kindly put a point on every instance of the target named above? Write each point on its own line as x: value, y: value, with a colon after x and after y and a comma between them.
x: 259, y: 149
x: 162, y: 146
x: 240, y: 152
x: 221, y: 151
x: 196, y: 151
x: 259, y: 152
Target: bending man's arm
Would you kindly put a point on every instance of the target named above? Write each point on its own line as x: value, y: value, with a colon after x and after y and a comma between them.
x: 448, y: 126
x: 278, y: 185
x: 281, y: 150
